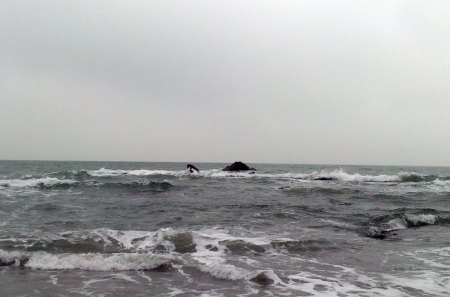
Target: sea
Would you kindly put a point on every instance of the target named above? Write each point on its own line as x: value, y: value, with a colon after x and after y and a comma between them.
x: 156, y: 229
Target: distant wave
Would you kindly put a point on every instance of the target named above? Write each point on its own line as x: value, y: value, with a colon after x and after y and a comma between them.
x: 53, y: 183
x: 323, y: 175
x: 44, y: 182
x: 340, y: 175
x: 296, y: 182
x: 140, y: 172
x: 138, y: 185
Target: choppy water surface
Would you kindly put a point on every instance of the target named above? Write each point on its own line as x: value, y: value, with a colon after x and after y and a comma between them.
x: 153, y: 229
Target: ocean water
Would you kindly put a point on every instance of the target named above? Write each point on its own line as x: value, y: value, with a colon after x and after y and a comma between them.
x: 154, y: 229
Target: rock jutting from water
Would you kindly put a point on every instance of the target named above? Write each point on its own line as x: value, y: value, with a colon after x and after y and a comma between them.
x: 262, y: 279
x: 238, y: 166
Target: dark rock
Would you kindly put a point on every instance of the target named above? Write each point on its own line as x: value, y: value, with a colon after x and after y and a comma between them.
x: 160, y: 248
x: 242, y: 247
x: 164, y: 267
x: 323, y: 178
x: 238, y: 166
x: 192, y: 168
x: 379, y: 233
x: 7, y: 263
x: 262, y: 279
x: 320, y: 288
x: 23, y: 261
x: 184, y: 243
x: 212, y: 248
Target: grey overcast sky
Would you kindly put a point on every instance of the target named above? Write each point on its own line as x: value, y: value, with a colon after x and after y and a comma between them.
x: 328, y: 82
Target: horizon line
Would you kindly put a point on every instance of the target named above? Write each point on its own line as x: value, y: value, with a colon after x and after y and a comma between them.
x: 210, y: 162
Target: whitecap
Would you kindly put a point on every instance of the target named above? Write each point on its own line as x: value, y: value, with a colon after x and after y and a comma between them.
x: 34, y: 182
x: 139, y: 172
x: 94, y: 261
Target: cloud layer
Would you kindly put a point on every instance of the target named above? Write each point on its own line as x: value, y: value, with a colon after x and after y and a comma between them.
x: 354, y: 82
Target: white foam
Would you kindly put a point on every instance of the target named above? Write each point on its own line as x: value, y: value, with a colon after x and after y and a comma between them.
x: 54, y: 280
x: 216, y: 267
x: 345, y: 281
x: 95, y: 261
x: 338, y: 174
x: 211, y: 294
x: 428, y: 282
x: 34, y: 182
x: 125, y: 277
x: 139, y: 241
x: 145, y: 276
x: 8, y: 256
x: 439, y: 185
x: 422, y: 219
x: 140, y: 172
x: 175, y: 292
x: 92, y: 281
x: 433, y: 257
x: 215, y: 262
x: 341, y: 175
x: 340, y: 224
x: 318, y: 279
x: 331, y: 179
x: 410, y: 219
x: 395, y: 224
x: 213, y: 235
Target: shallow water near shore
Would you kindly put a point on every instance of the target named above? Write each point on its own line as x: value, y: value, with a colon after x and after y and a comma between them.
x: 154, y: 229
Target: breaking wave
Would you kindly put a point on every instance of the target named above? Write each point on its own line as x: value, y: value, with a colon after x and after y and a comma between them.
x: 87, y: 261
x: 311, y: 182
x: 71, y: 177
x: 106, y: 249
x: 383, y: 226
x: 45, y: 182
x: 138, y: 185
x: 102, y: 172
x: 53, y: 183
x: 324, y: 175
x: 341, y: 175
x: 206, y: 251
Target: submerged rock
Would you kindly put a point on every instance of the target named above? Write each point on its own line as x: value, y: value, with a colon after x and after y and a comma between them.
x: 11, y: 262
x: 262, y: 279
x: 7, y: 262
x: 184, y: 243
x: 163, y: 267
x: 323, y: 178
x: 238, y: 166
x: 242, y: 247
x: 23, y: 261
x: 212, y: 248
x: 379, y: 233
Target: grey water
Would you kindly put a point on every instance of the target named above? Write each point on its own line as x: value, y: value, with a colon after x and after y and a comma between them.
x: 155, y: 229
